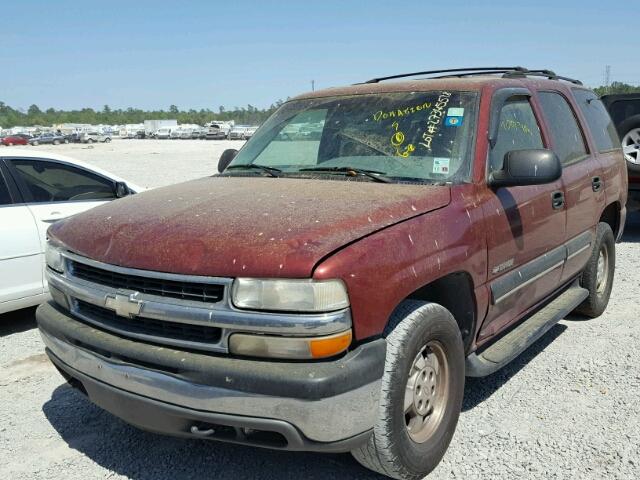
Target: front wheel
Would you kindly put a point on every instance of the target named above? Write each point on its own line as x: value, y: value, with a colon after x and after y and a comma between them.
x: 107, y: 140
x: 597, y: 276
x: 421, y: 393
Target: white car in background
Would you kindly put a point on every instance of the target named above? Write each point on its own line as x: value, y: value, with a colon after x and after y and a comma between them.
x: 163, y: 133
x: 36, y: 190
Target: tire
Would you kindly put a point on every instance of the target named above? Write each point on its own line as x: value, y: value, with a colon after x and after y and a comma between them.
x: 393, y: 449
x: 56, y: 142
x: 35, y: 144
x: 90, y: 140
x: 66, y: 140
x: 631, y: 145
x: 107, y: 140
x: 599, y: 287
x: 10, y: 144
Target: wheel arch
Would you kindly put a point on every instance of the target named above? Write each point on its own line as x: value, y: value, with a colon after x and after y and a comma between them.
x: 611, y: 216
x: 455, y: 292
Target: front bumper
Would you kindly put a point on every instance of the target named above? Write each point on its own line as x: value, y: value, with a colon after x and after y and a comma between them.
x: 321, y: 406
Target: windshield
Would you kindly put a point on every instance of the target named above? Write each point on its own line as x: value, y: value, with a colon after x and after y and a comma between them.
x: 409, y: 135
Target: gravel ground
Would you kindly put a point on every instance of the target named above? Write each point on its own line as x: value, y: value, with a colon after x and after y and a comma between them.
x: 566, y: 408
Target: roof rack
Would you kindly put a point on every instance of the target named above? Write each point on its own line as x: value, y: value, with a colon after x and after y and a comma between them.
x: 506, y: 72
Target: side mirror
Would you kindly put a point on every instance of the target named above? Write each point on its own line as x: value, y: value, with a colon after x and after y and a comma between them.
x: 121, y: 190
x: 225, y: 159
x: 527, y: 167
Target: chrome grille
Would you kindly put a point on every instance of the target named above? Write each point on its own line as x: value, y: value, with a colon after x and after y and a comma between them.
x: 203, y: 292
x: 160, y: 329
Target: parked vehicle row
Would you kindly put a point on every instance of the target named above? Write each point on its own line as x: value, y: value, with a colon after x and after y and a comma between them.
x: 51, y: 138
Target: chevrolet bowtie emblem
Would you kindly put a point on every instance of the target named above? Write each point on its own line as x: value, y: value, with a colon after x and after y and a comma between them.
x: 125, y: 305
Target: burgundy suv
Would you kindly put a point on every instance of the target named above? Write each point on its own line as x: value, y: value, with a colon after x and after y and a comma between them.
x: 366, y: 250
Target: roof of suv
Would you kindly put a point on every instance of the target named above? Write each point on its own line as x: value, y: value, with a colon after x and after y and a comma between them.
x: 470, y: 80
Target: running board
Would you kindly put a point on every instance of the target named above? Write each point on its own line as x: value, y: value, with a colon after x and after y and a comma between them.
x: 524, y: 335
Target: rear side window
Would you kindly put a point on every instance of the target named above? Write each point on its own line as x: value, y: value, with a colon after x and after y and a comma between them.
x: 567, y: 136
x: 5, y: 198
x: 56, y: 182
x: 518, y: 130
x: 602, y: 128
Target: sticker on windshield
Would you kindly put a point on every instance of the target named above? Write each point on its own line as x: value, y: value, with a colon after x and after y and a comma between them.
x: 455, y: 112
x: 453, y: 122
x: 441, y: 165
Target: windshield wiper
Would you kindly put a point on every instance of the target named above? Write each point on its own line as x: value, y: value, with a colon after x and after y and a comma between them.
x: 350, y: 171
x: 273, y: 171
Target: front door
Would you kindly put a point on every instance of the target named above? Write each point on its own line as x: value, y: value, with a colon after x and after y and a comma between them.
x: 525, y: 225
x: 20, y: 269
x: 55, y: 190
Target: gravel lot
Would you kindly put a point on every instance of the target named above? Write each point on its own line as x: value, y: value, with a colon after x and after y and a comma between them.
x: 566, y: 408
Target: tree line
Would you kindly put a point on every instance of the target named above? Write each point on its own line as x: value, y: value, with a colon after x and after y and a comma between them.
x: 249, y: 115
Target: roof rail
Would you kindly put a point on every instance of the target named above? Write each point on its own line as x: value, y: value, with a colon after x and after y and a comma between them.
x: 507, y: 72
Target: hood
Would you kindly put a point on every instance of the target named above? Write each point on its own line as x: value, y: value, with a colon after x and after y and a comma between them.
x: 241, y: 226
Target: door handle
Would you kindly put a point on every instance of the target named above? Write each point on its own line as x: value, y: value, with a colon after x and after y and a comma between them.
x: 54, y: 217
x: 596, y: 184
x: 557, y: 200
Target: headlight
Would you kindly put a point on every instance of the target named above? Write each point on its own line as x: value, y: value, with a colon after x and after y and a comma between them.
x: 53, y: 257
x: 289, y: 295
x: 297, y: 348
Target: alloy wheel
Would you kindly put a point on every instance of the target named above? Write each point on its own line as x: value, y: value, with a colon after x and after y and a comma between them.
x: 631, y: 146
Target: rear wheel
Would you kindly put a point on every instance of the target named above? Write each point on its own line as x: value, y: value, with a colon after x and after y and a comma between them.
x: 10, y: 144
x: 36, y: 143
x: 56, y: 142
x: 597, y: 277
x: 421, y: 393
x: 107, y: 140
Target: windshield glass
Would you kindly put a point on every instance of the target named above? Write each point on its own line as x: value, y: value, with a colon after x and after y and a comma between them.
x: 409, y: 135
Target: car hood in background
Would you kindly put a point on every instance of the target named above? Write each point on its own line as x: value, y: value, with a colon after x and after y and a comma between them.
x: 242, y: 226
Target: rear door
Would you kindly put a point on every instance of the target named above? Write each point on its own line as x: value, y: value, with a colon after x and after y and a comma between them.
x: 525, y: 224
x: 56, y: 190
x: 581, y: 175
x: 20, y: 249
x: 606, y: 144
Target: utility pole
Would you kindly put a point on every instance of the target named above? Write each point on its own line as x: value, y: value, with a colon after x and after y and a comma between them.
x: 313, y: 85
x: 607, y: 77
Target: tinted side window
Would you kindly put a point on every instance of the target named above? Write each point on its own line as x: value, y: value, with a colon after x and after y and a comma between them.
x: 55, y: 182
x: 5, y: 198
x: 602, y: 128
x: 518, y: 130
x: 567, y: 136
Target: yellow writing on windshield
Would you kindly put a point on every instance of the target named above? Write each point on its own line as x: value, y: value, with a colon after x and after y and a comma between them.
x: 400, y: 112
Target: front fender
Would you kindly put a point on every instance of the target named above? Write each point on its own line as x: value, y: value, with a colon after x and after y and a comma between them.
x: 384, y: 268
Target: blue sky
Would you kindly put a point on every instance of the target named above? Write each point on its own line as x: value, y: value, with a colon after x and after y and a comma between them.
x: 202, y: 54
